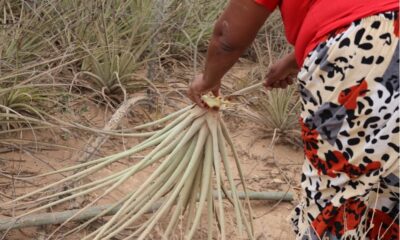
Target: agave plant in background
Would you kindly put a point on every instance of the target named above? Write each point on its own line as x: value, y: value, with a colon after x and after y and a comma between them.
x: 190, y: 156
x: 122, y: 40
x: 27, y: 36
x: 112, y: 72
x: 103, y: 40
x: 28, y: 65
x: 29, y: 57
x: 19, y: 107
x: 277, y: 111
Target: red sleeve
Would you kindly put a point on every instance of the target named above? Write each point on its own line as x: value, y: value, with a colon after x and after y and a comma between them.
x: 269, y: 4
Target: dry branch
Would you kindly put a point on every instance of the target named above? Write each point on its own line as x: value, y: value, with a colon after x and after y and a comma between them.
x: 60, y: 217
x: 93, y: 146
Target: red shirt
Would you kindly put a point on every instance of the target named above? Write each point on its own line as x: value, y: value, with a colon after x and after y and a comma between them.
x: 307, y: 22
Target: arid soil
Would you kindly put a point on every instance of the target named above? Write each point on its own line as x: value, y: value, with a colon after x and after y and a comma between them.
x: 266, y: 168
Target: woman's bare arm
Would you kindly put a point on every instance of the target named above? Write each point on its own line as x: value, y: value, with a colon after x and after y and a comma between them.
x: 234, y: 31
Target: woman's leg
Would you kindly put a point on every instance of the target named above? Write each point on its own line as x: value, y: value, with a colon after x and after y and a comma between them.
x: 349, y: 87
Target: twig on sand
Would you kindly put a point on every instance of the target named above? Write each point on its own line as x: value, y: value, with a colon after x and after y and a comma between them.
x: 60, y: 217
x: 93, y: 146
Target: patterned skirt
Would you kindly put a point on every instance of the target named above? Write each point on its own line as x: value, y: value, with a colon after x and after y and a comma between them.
x: 349, y: 89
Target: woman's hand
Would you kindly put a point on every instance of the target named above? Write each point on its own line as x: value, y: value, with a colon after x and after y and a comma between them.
x: 280, y: 74
x: 199, y: 86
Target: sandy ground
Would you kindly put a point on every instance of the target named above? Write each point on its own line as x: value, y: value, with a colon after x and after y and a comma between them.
x: 266, y: 168
x: 269, y: 168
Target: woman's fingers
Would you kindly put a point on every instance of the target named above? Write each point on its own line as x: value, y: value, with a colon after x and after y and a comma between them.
x: 284, y: 83
x: 195, y: 96
x: 198, y: 87
x: 280, y: 84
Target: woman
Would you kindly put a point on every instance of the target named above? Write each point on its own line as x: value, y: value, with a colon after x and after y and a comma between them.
x: 349, y: 85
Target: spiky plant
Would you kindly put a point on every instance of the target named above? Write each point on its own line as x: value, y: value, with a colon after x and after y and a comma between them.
x: 111, y: 72
x: 277, y: 111
x: 120, y: 36
x: 29, y: 61
x: 192, y: 160
x: 20, y: 107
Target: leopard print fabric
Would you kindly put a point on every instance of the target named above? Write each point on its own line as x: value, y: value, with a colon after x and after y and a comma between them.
x: 349, y: 89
